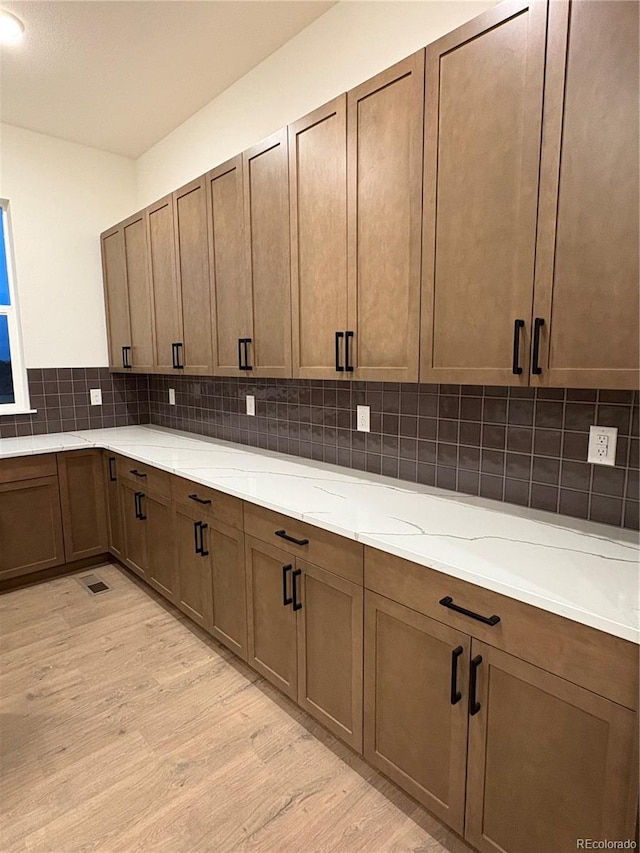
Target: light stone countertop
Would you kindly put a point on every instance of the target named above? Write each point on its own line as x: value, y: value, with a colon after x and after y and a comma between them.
x: 584, y: 571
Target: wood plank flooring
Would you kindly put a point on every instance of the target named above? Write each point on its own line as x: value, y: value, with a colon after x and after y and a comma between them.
x: 124, y: 728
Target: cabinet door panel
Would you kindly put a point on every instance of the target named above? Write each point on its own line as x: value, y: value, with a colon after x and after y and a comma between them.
x: 83, y: 504
x: 561, y: 759
x: 318, y: 172
x: 139, y: 289
x: 116, y: 297
x: 385, y: 127
x: 135, y: 543
x: 193, y: 571
x: 330, y: 651
x: 164, y: 285
x: 482, y: 156
x: 160, y: 544
x: 587, y: 261
x: 230, y: 280
x: 271, y: 624
x: 229, y: 621
x: 190, y: 211
x: 115, y: 535
x: 412, y: 731
x: 266, y: 203
x: 30, y: 526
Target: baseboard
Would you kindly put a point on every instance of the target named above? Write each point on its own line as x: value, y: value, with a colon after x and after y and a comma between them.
x: 9, y: 584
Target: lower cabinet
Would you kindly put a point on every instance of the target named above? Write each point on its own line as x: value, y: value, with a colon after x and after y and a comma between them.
x: 115, y: 535
x: 83, y: 503
x: 134, y: 536
x: 305, y: 636
x: 193, y: 567
x: 157, y: 512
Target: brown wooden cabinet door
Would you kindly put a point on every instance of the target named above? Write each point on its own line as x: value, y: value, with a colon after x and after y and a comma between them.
x: 484, y: 86
x: 229, y: 614
x: 412, y: 731
x: 266, y: 216
x: 193, y: 568
x: 139, y: 289
x: 116, y: 296
x: 160, y: 543
x: 192, y: 255
x: 587, y: 272
x: 271, y: 623
x: 82, y: 499
x: 330, y: 651
x: 232, y: 312
x: 115, y: 536
x: 385, y: 127
x: 318, y: 199
x: 549, y: 762
x: 134, y: 531
x: 30, y: 526
x: 165, y: 293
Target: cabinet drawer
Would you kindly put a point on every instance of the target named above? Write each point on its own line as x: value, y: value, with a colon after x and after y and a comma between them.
x: 593, y: 659
x: 341, y: 556
x: 28, y: 467
x: 145, y: 476
x: 223, y: 508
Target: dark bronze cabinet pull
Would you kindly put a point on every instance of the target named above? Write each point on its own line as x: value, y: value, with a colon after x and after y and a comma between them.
x: 286, y: 600
x: 125, y: 357
x: 243, y: 354
x: 347, y: 352
x: 296, y: 603
x: 112, y: 476
x: 283, y: 535
x: 474, y: 705
x: 339, y: 337
x: 240, y: 364
x: 456, y: 696
x: 175, y: 355
x: 137, y: 473
x: 195, y: 537
x: 203, y: 526
x: 198, y: 500
x: 137, y: 499
x: 447, y: 601
x: 517, y: 325
x: 538, y: 323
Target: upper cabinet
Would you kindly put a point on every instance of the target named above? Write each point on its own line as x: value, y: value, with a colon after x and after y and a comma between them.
x: 318, y: 199
x: 384, y: 145
x: 116, y: 297
x: 266, y: 216
x: 165, y: 290
x: 586, y: 289
x: 482, y: 155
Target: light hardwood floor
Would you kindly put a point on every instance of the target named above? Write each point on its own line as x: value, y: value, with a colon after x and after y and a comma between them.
x: 124, y: 728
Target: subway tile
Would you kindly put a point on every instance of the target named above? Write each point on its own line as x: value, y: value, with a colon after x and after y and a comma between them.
x: 518, y: 466
x: 516, y: 492
x: 614, y: 416
x: 579, y: 416
x: 545, y: 470
x: 608, y: 481
x: 448, y: 431
x: 547, y: 442
x: 468, y: 482
x: 494, y: 410
x: 520, y: 412
x: 575, y: 475
x: 544, y: 497
x: 631, y: 519
x: 494, y: 436
x: 491, y: 487
x: 607, y: 510
x: 447, y: 454
x: 575, y: 504
x: 445, y: 477
x: 426, y: 474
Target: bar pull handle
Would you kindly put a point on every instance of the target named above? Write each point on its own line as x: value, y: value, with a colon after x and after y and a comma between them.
x: 175, y: 355
x: 135, y: 503
x: 347, y: 352
x: 447, y: 601
x: 296, y: 604
x: 240, y: 362
x: 137, y: 473
x: 339, y: 337
x: 538, y: 323
x: 517, y: 325
x: 198, y: 500
x: 284, y: 535
x: 195, y: 537
x: 112, y: 476
x: 125, y: 357
x: 474, y: 705
x: 140, y: 515
x: 456, y: 696
x: 246, y: 342
x: 286, y: 600
x: 203, y: 526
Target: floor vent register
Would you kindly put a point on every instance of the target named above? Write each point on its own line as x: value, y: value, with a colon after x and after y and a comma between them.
x: 93, y: 584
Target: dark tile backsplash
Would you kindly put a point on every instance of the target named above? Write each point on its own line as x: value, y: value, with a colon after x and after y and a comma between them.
x: 61, y: 399
x: 518, y: 445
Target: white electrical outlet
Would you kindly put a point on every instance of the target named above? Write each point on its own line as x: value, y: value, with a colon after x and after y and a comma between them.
x: 602, y: 445
x: 363, y: 418
x: 251, y: 404
x: 172, y: 396
x: 95, y: 395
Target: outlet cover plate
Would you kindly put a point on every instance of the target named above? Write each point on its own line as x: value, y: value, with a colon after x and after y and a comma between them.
x: 172, y: 396
x: 251, y: 404
x: 363, y: 418
x: 95, y: 395
x: 602, y: 445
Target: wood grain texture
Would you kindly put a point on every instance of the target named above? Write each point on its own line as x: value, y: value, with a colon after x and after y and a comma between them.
x: 384, y: 145
x: 229, y: 587
x: 195, y: 751
x: 136, y: 254
x: 318, y: 200
x: 28, y: 467
x: 31, y: 537
x: 115, y: 535
x: 587, y: 274
x: 116, y: 294
x: 135, y: 542
x: 482, y: 156
x: 561, y: 759
x: 165, y: 290
x: 221, y: 507
x: 82, y: 500
x: 160, y: 541
x: 193, y: 571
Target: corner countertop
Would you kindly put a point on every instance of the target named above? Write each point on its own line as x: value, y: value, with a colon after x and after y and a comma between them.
x: 586, y: 572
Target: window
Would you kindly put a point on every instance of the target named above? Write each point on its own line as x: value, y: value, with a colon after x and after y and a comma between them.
x: 14, y: 393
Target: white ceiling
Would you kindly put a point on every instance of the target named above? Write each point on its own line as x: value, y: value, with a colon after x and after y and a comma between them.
x: 121, y: 74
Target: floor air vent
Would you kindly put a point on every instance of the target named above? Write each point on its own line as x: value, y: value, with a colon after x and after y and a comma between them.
x: 93, y: 584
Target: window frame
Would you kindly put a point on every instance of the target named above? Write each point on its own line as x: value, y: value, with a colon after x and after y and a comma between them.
x: 21, y: 404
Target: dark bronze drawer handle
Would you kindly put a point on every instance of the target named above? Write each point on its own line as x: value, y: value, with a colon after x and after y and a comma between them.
x: 447, y: 601
x: 294, y: 589
x: 137, y: 473
x: 474, y: 705
x: 456, y: 696
x: 286, y: 599
x: 199, y: 500
x: 283, y: 535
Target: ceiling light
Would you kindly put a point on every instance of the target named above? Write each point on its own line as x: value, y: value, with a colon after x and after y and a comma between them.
x: 11, y: 28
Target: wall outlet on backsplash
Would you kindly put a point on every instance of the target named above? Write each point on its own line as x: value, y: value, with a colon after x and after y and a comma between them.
x: 251, y: 404
x: 363, y: 418
x: 172, y: 396
x: 602, y: 445
x: 95, y: 395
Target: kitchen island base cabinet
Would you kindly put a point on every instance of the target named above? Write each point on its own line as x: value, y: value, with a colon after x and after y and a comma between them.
x: 549, y: 762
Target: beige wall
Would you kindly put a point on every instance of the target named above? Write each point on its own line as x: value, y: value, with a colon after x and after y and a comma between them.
x: 62, y: 195
x: 348, y: 44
